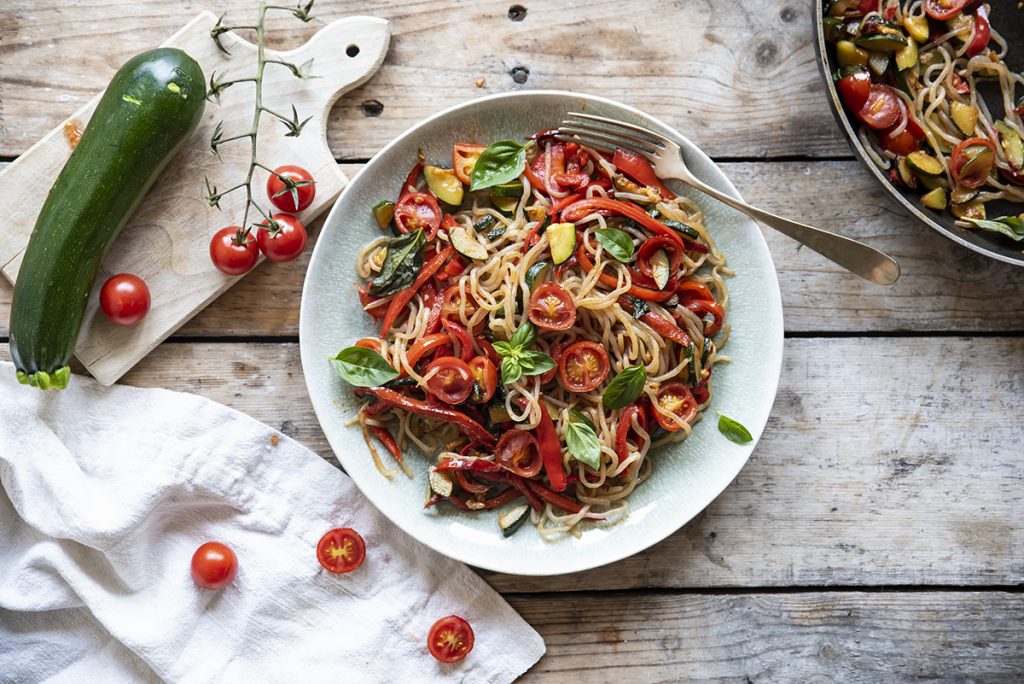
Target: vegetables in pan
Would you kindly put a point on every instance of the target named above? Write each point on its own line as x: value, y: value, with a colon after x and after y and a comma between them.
x: 150, y: 108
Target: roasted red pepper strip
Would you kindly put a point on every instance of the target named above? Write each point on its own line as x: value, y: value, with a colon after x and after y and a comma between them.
x: 462, y: 337
x: 467, y: 425
x: 587, y: 264
x: 465, y: 484
x: 585, y: 207
x: 520, y: 484
x: 639, y: 169
x: 558, y: 500
x: 469, y: 463
x: 625, y: 425
x: 403, y: 297
x: 550, y: 450
x: 703, y: 307
x: 577, y: 196
x: 411, y: 180
x: 666, y: 328
x: 386, y: 438
x: 423, y: 345
x: 494, y: 502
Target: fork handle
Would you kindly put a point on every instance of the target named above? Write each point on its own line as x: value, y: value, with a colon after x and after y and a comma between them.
x: 856, y: 257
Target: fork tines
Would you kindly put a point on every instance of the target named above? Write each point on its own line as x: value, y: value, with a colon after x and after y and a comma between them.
x: 609, y: 134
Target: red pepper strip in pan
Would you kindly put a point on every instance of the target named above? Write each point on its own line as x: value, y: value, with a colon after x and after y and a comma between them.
x: 639, y: 169
x: 471, y: 487
x: 625, y: 425
x: 403, y: 297
x: 411, y: 180
x: 559, y: 501
x: 666, y: 328
x: 574, y: 212
x: 467, y: 425
x: 461, y: 336
x: 487, y: 349
x: 587, y: 264
x: 577, y: 196
x: 520, y: 484
x: 468, y: 463
x: 494, y: 502
x: 424, y: 345
x: 385, y: 437
x: 550, y: 450
x: 365, y: 299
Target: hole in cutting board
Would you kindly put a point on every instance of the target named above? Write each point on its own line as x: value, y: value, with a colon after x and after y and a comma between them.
x: 352, y: 50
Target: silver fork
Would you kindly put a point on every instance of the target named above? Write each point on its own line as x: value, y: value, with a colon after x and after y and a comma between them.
x: 667, y: 158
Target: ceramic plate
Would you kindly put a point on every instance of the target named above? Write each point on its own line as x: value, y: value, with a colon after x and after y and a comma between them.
x: 686, y: 477
x: 1009, y: 21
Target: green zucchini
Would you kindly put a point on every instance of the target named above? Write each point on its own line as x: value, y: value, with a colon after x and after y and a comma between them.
x: 151, y: 107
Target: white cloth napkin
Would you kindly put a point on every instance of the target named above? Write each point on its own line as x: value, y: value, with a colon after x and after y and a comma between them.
x: 106, y: 493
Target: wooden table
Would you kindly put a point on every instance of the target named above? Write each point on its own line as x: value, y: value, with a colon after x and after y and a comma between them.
x: 876, y: 532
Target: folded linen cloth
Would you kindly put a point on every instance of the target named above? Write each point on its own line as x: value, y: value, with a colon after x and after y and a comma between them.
x: 106, y: 493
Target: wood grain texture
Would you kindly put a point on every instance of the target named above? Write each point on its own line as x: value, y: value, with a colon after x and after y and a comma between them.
x: 724, y: 77
x: 813, y: 637
x: 885, y: 461
x: 944, y: 287
x: 166, y: 240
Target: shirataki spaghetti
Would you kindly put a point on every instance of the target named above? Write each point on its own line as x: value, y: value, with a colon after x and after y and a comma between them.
x: 558, y: 318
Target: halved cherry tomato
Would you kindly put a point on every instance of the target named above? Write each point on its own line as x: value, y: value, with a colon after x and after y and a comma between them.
x: 961, y: 155
x: 464, y: 156
x: 418, y: 210
x: 519, y: 453
x: 674, y: 398
x: 982, y: 32
x: 485, y: 373
x: 903, y: 144
x: 583, y: 366
x: 548, y: 162
x: 704, y: 307
x: 341, y: 550
x: 854, y: 88
x: 639, y: 169
x: 291, y: 199
x: 214, y: 565
x: 454, y: 301
x: 459, y: 335
x: 882, y: 109
x: 449, y: 379
x: 944, y: 9
x: 551, y: 307
x: 450, y: 639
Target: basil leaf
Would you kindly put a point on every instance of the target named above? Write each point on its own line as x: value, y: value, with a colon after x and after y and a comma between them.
x: 582, y: 441
x: 683, y: 228
x: 501, y: 162
x: 510, y: 370
x: 363, y: 367
x: 401, y: 265
x: 1010, y: 226
x: 524, y: 337
x: 640, y: 307
x: 616, y: 242
x: 504, y: 348
x: 535, y: 362
x: 625, y: 387
x: 733, y: 430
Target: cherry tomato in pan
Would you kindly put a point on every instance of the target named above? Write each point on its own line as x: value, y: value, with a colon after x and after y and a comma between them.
x: 418, y: 210
x: 233, y: 252
x: 854, y: 89
x: 675, y: 398
x: 464, y: 156
x: 214, y: 565
x: 882, y: 109
x: 551, y: 307
x: 904, y: 143
x: 291, y: 199
x: 519, y: 452
x: 285, y: 244
x: 125, y: 299
x: 583, y: 366
x: 449, y: 379
x: 450, y: 639
x: 341, y: 550
x: 485, y: 374
x: 944, y: 9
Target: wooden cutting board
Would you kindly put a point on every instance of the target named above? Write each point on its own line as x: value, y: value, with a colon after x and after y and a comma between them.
x: 166, y: 242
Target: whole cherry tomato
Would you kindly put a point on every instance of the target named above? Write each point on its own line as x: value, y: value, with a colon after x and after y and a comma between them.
x: 214, y: 565
x: 295, y: 197
x: 284, y: 244
x: 124, y: 299
x: 233, y: 251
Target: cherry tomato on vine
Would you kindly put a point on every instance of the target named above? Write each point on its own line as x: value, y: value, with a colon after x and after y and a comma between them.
x: 450, y: 639
x: 124, y: 299
x: 286, y: 243
x: 233, y: 252
x: 341, y: 550
x: 291, y: 199
x: 214, y: 565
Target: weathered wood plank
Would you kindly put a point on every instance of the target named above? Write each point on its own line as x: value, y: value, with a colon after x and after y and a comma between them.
x: 813, y: 637
x: 944, y: 287
x: 885, y: 461
x: 724, y: 77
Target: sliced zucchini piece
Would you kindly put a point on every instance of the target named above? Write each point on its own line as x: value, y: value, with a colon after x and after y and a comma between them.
x: 882, y: 42
x: 384, y: 212
x: 972, y: 210
x: 906, y: 173
x: 962, y: 195
x: 537, y: 270
x: 1012, y: 145
x: 445, y: 185
x: 906, y: 57
x: 466, y: 244
x: 440, y: 482
x: 878, y: 62
x: 849, y: 54
x: 484, y: 223
x: 505, y: 205
x: 965, y: 117
x: 497, y: 413
x: 833, y: 28
x: 917, y: 27
x: 978, y: 157
x: 510, y: 189
x: 929, y: 183
x: 660, y: 269
x: 935, y: 199
x: 510, y: 522
x: 562, y: 237
x: 925, y: 164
